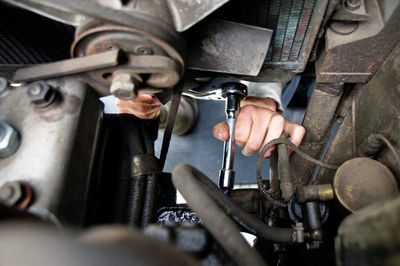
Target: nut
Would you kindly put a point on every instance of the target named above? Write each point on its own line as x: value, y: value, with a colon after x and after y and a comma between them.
x: 123, y: 86
x: 9, y: 140
x: 10, y: 193
x: 41, y: 94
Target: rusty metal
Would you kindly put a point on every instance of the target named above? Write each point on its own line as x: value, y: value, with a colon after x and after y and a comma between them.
x: 360, y: 182
x: 377, y: 111
x: 144, y: 54
x: 284, y: 172
x: 315, y: 193
x: 317, y: 121
x: 228, y: 47
x: 67, y: 67
x: 357, y: 56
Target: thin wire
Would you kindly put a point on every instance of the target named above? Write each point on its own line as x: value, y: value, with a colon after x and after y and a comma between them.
x: 295, y: 149
x: 391, y: 148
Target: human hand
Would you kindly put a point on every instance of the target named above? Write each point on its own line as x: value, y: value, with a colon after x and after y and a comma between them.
x: 144, y: 106
x: 257, y: 124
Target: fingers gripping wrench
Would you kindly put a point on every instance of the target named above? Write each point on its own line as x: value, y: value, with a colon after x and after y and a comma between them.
x: 233, y: 92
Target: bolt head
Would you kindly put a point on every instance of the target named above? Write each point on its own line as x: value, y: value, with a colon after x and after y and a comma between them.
x: 41, y: 94
x: 9, y: 140
x: 10, y: 193
x: 123, y: 86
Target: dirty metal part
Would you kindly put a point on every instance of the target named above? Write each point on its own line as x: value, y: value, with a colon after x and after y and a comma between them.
x: 84, y: 12
x: 351, y: 10
x: 228, y: 47
x: 61, y: 181
x: 376, y: 112
x: 315, y: 193
x: 41, y: 94
x: 9, y: 140
x: 123, y: 86
x: 299, y: 229
x: 233, y: 92
x: 67, y: 67
x: 370, y: 236
x: 154, y: 59
x: 284, y: 172
x: 360, y: 182
x: 343, y: 27
x: 314, y: 222
x: 296, y: 212
x: 357, y: 56
x: 187, y: 13
x: 325, y: 97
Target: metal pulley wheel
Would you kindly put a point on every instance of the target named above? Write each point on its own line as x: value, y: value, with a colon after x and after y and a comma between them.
x: 148, y: 60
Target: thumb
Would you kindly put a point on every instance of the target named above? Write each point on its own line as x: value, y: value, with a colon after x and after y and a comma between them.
x: 221, y: 131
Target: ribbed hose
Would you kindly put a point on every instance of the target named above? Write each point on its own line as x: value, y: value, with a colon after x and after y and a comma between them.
x: 187, y: 180
x: 248, y: 222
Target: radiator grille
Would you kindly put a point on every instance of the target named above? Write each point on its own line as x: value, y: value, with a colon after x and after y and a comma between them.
x: 27, y: 38
x: 290, y: 20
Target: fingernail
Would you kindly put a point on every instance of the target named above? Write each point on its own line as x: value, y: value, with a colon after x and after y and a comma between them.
x: 246, y: 153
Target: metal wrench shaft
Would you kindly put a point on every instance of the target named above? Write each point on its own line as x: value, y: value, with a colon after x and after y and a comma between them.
x: 233, y: 92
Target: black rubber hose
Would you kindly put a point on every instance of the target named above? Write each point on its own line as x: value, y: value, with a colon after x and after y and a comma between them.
x: 149, y: 200
x: 188, y: 181
x: 135, y: 200
x: 248, y: 222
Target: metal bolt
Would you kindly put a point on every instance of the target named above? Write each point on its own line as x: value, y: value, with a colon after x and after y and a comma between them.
x: 352, y: 4
x: 41, y: 94
x: 144, y: 50
x: 10, y: 193
x: 123, y: 86
x: 9, y: 140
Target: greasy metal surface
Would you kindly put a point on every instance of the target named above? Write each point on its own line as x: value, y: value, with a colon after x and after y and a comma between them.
x: 370, y: 236
x: 360, y: 182
x: 52, y: 158
x: 356, y: 57
x: 187, y: 13
x: 228, y: 47
x: 376, y: 111
x: 144, y: 54
x: 67, y: 67
x: 315, y: 193
x: 347, y: 14
x: 317, y: 121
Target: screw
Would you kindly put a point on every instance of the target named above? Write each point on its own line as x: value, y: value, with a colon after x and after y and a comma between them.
x: 41, y: 94
x: 123, y: 86
x: 9, y: 140
x: 144, y: 50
